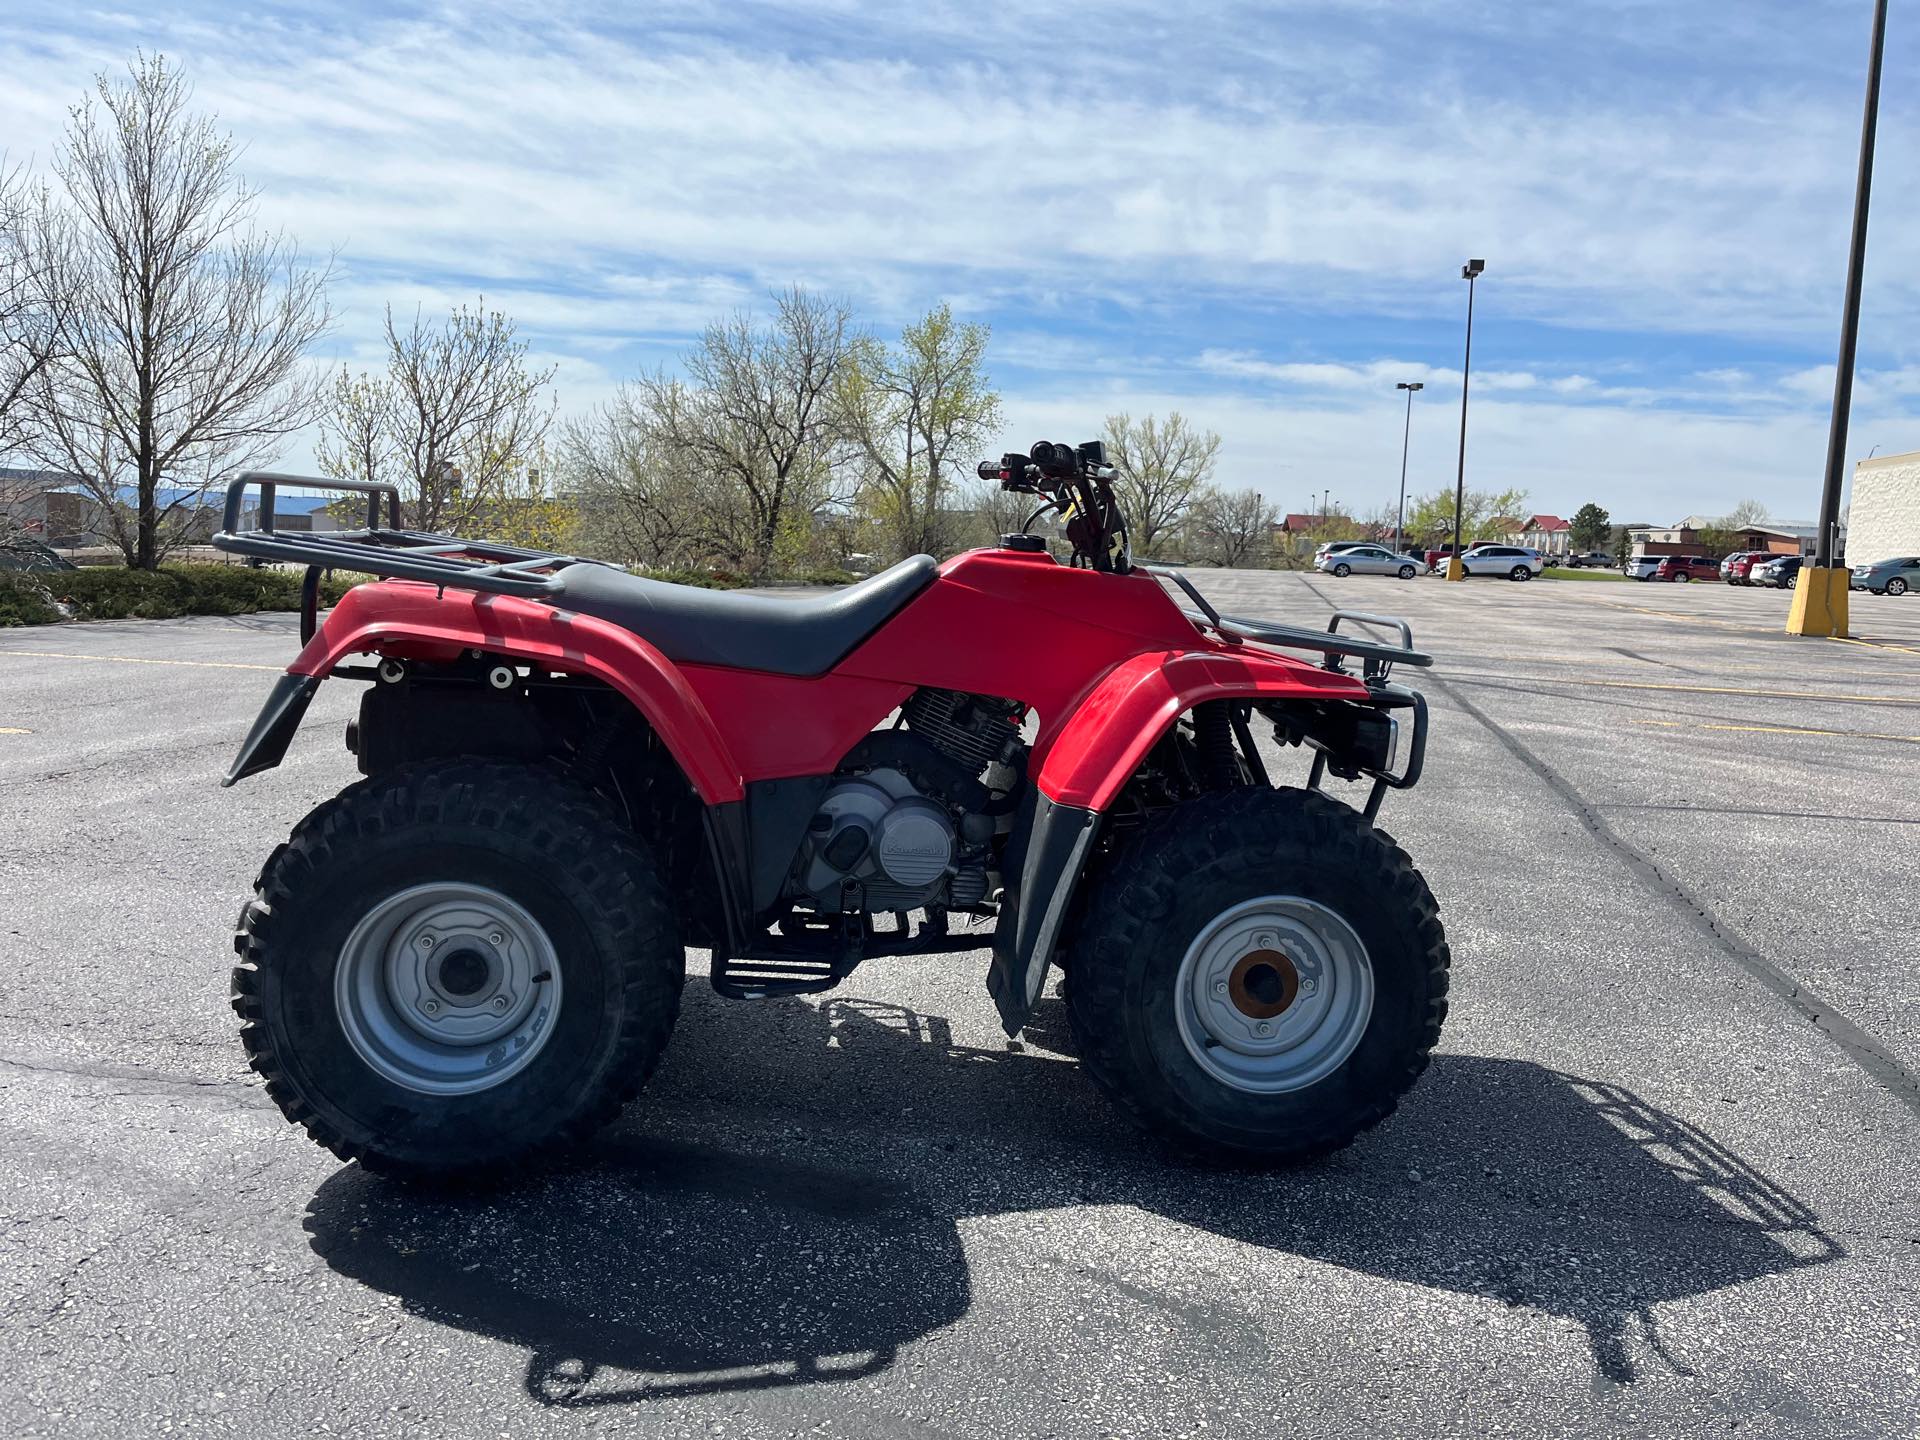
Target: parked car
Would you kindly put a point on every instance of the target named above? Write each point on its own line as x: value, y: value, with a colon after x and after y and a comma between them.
x: 1330, y: 547
x: 1737, y: 568
x: 1436, y: 555
x: 1640, y: 567
x: 1888, y: 577
x: 1516, y: 562
x: 1782, y: 572
x: 1364, y: 559
x: 1590, y: 560
x: 1682, y: 568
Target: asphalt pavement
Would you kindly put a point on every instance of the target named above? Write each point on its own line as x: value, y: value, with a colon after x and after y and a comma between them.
x: 1662, y: 1179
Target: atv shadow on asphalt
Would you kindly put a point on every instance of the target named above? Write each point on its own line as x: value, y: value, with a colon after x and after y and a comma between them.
x: 782, y: 1208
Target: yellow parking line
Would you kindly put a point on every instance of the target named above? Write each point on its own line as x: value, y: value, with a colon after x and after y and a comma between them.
x: 139, y: 660
x: 14, y: 730
x: 1691, y: 689
x: 1783, y: 730
x: 1874, y: 644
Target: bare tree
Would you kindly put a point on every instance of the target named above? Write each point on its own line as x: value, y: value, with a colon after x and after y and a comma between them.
x: 641, y: 497
x: 918, y: 413
x: 1163, y: 468
x: 177, y: 353
x: 31, y: 308
x: 1231, y: 527
x: 756, y: 413
x: 455, y: 422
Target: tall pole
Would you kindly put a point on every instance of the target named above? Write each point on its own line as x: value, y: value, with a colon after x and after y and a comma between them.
x: 1850, y: 321
x: 1469, y: 272
x: 1400, y: 514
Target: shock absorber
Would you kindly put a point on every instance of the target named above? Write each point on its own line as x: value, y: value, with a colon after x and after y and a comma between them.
x: 1213, y: 733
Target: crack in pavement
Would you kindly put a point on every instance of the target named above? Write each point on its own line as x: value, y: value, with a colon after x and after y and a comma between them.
x: 1859, y: 1046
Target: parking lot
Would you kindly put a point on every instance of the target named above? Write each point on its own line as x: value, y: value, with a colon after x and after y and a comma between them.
x: 1661, y: 1179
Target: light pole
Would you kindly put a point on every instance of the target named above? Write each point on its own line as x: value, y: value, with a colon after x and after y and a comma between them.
x: 1469, y: 272
x: 1400, y: 515
x: 1820, y: 594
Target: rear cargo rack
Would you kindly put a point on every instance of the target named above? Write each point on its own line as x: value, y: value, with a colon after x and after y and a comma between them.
x: 389, y: 550
x: 1377, y: 658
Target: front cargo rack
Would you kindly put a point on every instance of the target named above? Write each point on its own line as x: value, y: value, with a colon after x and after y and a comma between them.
x: 389, y: 550
x: 1377, y: 658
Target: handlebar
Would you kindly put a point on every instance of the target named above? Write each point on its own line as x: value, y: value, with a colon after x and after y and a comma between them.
x: 1077, y: 481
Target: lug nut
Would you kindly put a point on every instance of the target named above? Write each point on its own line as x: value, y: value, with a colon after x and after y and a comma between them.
x: 426, y: 942
x: 1263, y: 1028
x: 1219, y: 987
x: 1307, y: 987
x: 496, y: 938
x: 500, y: 1002
x: 432, y: 1007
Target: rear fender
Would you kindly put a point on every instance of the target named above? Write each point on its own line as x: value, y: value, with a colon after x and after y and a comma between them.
x: 1096, y: 752
x: 415, y: 621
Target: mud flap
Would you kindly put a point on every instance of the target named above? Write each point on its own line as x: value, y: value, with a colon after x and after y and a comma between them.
x: 266, y: 743
x: 1035, y: 906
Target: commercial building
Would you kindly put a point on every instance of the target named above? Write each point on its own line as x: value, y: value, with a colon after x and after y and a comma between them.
x: 1883, y: 515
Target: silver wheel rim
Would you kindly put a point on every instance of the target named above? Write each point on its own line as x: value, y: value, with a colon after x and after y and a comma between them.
x: 1896, y: 587
x: 1274, y: 994
x: 447, y: 989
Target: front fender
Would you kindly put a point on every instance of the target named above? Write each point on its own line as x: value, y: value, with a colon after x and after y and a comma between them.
x: 1095, y: 754
x: 416, y: 621
x: 1124, y: 716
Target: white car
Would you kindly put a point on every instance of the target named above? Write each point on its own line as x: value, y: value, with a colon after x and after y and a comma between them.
x: 1640, y: 567
x: 1366, y: 559
x: 1516, y: 562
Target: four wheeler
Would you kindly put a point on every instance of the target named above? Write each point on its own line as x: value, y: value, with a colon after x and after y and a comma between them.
x: 474, y: 955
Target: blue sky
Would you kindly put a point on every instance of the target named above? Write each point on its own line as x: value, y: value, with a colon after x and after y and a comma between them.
x: 1253, y: 213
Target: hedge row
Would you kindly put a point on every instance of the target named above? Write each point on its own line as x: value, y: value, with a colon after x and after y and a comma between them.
x: 41, y: 597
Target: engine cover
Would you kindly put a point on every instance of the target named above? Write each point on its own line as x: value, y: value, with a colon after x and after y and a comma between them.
x: 879, y: 832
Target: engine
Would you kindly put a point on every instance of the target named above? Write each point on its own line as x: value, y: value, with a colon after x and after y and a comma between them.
x: 909, y: 820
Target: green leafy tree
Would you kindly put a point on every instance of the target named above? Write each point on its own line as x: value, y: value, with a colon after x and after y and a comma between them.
x: 1430, y: 517
x: 1163, y: 466
x: 917, y: 414
x: 1591, y: 527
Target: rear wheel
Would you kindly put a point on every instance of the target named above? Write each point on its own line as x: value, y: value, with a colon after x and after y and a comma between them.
x: 1520, y: 572
x: 1263, y: 975
x: 1682, y: 577
x: 455, y: 967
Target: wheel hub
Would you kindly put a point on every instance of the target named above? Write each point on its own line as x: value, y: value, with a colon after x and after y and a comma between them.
x: 1274, y: 994
x: 447, y: 988
x: 1263, y: 984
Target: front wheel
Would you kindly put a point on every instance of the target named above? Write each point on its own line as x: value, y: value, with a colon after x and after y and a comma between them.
x: 1263, y: 974
x: 457, y: 967
x: 1406, y: 572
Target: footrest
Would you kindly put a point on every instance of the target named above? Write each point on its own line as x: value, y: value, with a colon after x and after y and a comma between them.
x: 757, y: 978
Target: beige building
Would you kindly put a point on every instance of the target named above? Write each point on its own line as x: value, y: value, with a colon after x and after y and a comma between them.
x: 1883, y: 516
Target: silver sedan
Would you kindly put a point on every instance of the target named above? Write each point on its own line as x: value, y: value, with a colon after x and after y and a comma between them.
x: 1368, y: 560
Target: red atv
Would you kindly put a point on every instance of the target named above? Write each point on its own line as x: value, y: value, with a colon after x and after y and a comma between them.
x: 475, y: 954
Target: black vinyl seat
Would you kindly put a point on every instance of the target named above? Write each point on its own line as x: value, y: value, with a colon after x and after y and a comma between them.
x: 807, y: 635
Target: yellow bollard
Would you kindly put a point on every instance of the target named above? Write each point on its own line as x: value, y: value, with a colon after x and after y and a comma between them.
x: 1455, y: 570
x: 1819, y: 602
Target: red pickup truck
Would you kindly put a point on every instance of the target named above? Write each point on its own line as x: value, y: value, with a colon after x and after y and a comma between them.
x: 1686, y: 567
